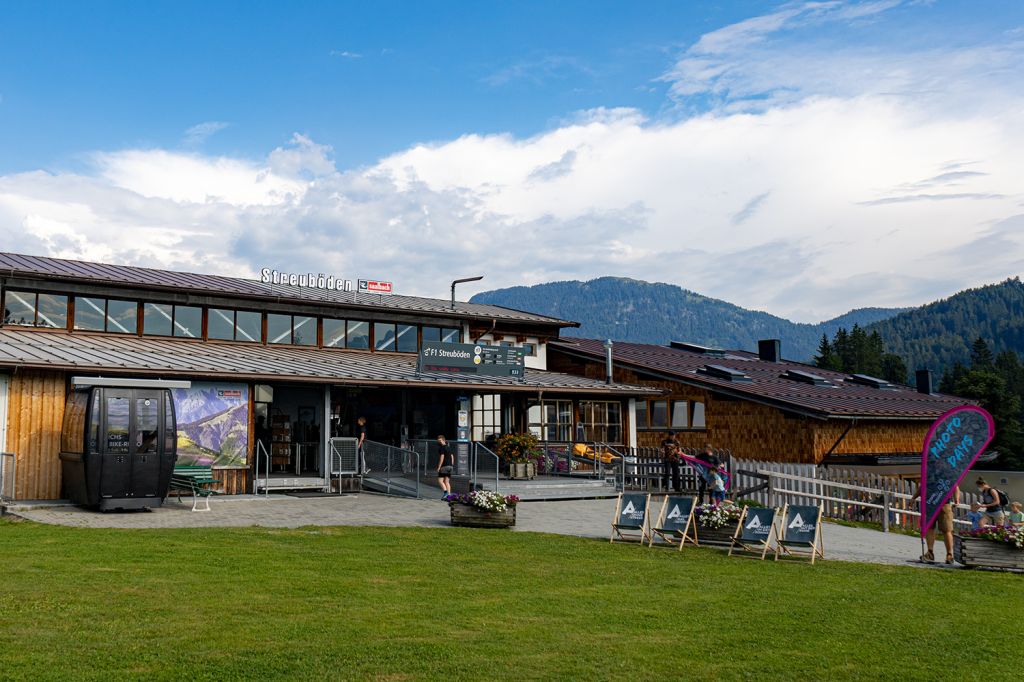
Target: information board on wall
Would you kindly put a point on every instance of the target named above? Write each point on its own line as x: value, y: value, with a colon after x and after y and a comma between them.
x: 468, y: 358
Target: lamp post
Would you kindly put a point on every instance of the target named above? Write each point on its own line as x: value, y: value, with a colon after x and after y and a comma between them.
x: 463, y: 281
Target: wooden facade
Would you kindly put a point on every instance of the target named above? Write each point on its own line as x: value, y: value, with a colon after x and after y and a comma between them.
x: 753, y: 430
x: 34, y: 417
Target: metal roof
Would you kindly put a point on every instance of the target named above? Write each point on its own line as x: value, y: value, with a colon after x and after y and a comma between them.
x: 124, y: 276
x: 133, y: 355
x: 843, y: 398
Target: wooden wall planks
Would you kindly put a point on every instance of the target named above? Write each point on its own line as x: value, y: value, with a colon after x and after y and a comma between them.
x: 34, y: 417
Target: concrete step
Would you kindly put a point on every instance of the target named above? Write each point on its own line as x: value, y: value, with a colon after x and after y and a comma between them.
x: 292, y: 483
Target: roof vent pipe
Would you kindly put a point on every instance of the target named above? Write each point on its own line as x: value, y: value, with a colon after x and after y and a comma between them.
x: 608, y: 361
x: 924, y: 381
x: 769, y: 350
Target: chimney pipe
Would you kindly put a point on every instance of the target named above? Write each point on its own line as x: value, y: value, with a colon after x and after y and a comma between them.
x: 924, y: 381
x: 608, y: 361
x: 769, y: 350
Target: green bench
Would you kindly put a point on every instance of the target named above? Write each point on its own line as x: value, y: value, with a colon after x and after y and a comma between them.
x: 196, y: 481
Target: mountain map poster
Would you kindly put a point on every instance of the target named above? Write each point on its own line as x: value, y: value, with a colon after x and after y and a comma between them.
x: 213, y: 424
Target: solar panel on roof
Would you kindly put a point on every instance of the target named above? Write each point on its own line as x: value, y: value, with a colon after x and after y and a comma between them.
x: 805, y: 377
x: 873, y: 382
x: 722, y: 372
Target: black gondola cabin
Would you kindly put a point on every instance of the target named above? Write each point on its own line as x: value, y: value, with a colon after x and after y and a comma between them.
x: 118, y: 445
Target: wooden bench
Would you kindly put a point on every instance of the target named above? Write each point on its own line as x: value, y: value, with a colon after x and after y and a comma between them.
x: 195, y: 480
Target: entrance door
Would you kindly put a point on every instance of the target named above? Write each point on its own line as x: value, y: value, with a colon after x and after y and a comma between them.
x: 145, y: 460
x: 116, y: 468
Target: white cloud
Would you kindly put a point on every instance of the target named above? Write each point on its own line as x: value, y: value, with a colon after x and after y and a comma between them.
x: 346, y: 54
x: 841, y: 197
x: 201, y: 132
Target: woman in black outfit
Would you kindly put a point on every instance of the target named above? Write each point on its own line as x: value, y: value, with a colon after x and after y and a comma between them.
x: 445, y: 464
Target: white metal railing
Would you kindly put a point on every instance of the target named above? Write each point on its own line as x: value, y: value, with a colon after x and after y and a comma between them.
x: 491, y: 465
x: 8, y: 476
x: 260, y: 454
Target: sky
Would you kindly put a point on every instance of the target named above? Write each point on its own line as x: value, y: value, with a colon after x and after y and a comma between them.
x: 803, y: 158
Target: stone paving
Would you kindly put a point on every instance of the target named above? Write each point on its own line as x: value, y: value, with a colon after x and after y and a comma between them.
x: 583, y: 518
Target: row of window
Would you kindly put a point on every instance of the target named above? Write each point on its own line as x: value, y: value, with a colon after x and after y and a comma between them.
x: 685, y: 414
x: 32, y: 309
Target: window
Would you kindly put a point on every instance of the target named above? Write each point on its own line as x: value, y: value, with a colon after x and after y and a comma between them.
x: 234, y: 325
x: 698, y: 421
x: 147, y: 424
x: 659, y: 414
x: 303, y: 330
x: 30, y: 309
x: 641, y: 414
x: 406, y: 341
x: 164, y: 319
x: 383, y: 336
x: 358, y: 335
x: 550, y: 420
x: 334, y: 333
x: 680, y: 414
x: 117, y: 425
x: 279, y: 328
x: 530, y: 350
x: 295, y: 329
x: 442, y: 334
x: 602, y: 421
x: 100, y: 314
x: 486, y: 416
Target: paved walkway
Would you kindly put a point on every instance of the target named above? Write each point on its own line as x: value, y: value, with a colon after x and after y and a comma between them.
x: 583, y: 518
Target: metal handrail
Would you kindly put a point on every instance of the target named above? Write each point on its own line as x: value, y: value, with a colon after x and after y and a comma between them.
x: 620, y: 481
x: 475, y: 464
x: 394, y: 459
x: 261, y: 449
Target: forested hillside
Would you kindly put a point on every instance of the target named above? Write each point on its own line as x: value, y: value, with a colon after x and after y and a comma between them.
x: 645, y: 312
x: 941, y: 334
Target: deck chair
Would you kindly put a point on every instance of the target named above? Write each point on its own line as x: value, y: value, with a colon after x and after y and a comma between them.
x: 755, y: 533
x: 630, y: 521
x: 800, y: 533
x: 675, y: 523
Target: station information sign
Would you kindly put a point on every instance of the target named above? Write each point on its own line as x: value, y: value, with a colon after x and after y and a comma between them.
x: 468, y: 358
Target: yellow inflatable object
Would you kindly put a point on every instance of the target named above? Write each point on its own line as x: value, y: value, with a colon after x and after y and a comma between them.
x: 581, y: 450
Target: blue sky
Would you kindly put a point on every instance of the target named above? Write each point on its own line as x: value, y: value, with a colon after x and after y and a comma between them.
x: 665, y: 140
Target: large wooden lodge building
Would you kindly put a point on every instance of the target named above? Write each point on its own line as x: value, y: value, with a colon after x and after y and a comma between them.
x: 304, y: 356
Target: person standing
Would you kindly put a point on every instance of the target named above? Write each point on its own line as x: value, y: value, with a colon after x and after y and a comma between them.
x: 670, y: 462
x: 445, y: 466
x: 991, y: 503
x: 716, y: 481
x: 943, y: 524
x: 361, y: 436
x: 704, y: 476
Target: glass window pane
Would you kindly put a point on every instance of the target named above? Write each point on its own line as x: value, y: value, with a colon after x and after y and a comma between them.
x: 94, y: 423
x: 358, y: 335
x: 530, y: 349
x: 52, y: 311
x: 279, y: 328
x: 659, y: 413
x: 170, y: 432
x: 188, y: 321
x: 90, y: 313
x: 117, y: 425
x: 641, y: 414
x: 220, y: 324
x: 157, y: 319
x: 615, y: 414
x: 248, y: 326
x: 334, y: 333
x: 698, y: 416
x: 450, y: 335
x: 20, y: 308
x: 406, y: 340
x: 431, y: 334
x: 680, y: 414
x: 533, y: 414
x: 122, y: 317
x: 383, y: 336
x: 304, y: 331
x: 147, y: 424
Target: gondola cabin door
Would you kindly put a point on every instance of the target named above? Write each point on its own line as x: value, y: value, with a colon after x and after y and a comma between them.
x: 130, y: 443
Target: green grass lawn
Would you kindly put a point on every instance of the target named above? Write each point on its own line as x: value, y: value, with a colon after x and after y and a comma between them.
x: 476, y: 604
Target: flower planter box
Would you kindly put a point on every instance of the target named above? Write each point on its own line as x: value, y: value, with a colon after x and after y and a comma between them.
x: 474, y: 517
x: 982, y: 553
x: 715, y: 536
x: 522, y: 470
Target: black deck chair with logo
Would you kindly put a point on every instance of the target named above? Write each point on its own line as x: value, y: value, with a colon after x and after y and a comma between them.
x: 755, y: 533
x: 630, y: 521
x: 800, y: 533
x: 675, y: 524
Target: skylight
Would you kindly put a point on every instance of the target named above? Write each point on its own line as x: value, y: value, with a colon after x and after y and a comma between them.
x: 722, y: 372
x: 805, y: 377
